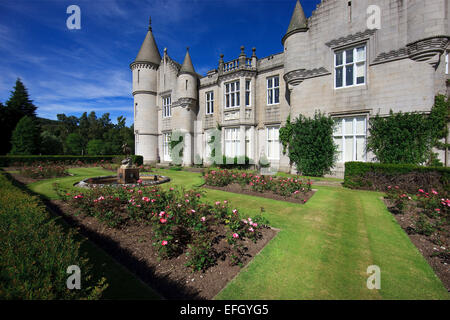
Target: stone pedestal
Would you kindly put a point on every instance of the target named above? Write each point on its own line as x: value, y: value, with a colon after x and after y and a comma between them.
x: 128, y: 175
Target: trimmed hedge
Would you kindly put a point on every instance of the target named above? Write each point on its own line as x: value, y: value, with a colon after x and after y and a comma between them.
x: 66, y: 159
x: 35, y: 252
x: 377, y: 176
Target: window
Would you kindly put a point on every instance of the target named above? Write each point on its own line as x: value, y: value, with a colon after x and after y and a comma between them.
x: 232, y: 98
x: 350, y: 136
x: 167, y: 111
x: 446, y: 62
x: 350, y: 67
x: 273, y: 143
x: 166, y: 146
x: 247, y: 92
x: 273, y: 90
x: 210, y: 102
x: 248, y: 143
x: 232, y: 142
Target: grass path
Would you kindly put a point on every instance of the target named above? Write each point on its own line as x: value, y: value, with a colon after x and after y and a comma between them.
x: 324, y: 248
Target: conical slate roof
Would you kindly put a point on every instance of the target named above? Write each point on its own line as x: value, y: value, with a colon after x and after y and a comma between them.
x: 298, y: 21
x: 149, y: 50
x: 187, y: 66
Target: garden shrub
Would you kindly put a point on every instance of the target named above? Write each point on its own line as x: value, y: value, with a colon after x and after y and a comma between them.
x: 409, y: 137
x: 61, y: 159
x: 241, y: 162
x: 179, y: 220
x: 44, y: 171
x: 285, y: 187
x: 431, y: 208
x: 35, y: 252
x: 376, y: 176
x: 310, y: 144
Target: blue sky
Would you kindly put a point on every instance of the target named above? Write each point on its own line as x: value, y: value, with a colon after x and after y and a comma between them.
x: 73, y: 71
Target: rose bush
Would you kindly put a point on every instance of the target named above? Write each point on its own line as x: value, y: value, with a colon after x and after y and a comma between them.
x: 180, y: 221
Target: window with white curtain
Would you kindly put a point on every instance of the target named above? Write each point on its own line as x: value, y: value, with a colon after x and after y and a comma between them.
x: 166, y: 146
x: 232, y: 98
x: 232, y: 142
x: 167, y: 107
x: 350, y: 137
x: 350, y: 67
x: 273, y: 143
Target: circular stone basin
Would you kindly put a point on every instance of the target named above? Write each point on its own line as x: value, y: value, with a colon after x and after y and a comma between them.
x: 113, y: 181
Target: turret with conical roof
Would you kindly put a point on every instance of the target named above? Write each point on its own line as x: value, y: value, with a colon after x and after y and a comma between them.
x: 187, y: 79
x: 149, y: 51
x: 186, y: 107
x: 298, y: 23
x: 295, y: 41
x: 145, y: 75
x: 187, y: 66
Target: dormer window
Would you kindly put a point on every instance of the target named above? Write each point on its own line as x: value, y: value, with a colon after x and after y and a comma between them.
x: 167, y: 107
x: 350, y: 67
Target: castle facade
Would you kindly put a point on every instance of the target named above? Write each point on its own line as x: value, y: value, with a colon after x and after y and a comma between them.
x: 335, y: 62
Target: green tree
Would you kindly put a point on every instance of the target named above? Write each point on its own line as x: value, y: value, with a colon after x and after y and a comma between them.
x: 50, y: 144
x: 310, y: 144
x: 25, y: 137
x: 18, y: 106
x: 74, y: 144
x: 95, y: 147
x: 20, y: 100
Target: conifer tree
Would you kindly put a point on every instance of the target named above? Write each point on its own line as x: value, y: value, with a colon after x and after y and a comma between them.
x: 25, y: 137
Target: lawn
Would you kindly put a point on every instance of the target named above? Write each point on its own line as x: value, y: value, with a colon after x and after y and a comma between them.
x: 323, y: 249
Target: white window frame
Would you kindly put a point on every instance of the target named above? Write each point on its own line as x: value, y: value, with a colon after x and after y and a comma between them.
x: 248, y: 142
x: 353, y: 135
x: 234, y: 142
x: 166, y: 146
x: 232, y: 91
x: 271, y: 89
x: 249, y: 92
x: 446, y: 62
x: 270, y: 139
x: 209, y: 97
x: 353, y: 65
x: 166, y: 107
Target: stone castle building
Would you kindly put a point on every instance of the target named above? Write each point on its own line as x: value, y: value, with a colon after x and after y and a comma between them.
x: 335, y: 61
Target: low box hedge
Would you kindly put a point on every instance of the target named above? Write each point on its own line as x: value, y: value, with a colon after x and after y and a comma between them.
x: 66, y: 159
x: 377, y: 176
x: 35, y: 251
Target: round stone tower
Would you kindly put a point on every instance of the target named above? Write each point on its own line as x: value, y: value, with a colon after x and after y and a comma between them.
x: 186, y: 107
x: 295, y: 44
x: 144, y: 69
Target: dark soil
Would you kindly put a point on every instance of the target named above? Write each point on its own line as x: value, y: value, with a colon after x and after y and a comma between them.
x: 22, y: 179
x: 132, y: 246
x: 434, y: 248
x: 237, y: 188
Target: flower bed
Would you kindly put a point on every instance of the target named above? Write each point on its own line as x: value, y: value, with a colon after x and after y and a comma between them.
x: 425, y: 216
x: 174, y: 232
x: 279, y: 188
x: 44, y: 171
